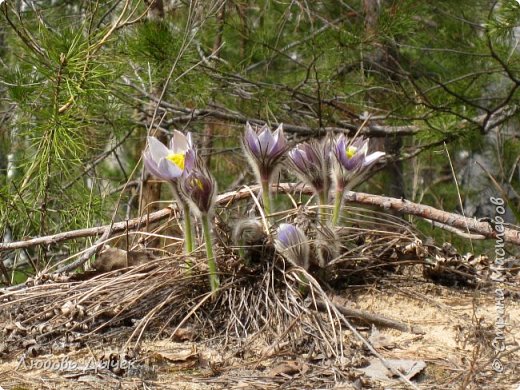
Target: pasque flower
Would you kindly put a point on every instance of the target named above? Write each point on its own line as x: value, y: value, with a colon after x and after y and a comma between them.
x: 292, y: 244
x: 327, y: 245
x: 353, y: 159
x: 311, y: 162
x: 351, y: 162
x: 198, y: 187
x: 168, y: 164
x: 265, y: 151
x: 247, y: 232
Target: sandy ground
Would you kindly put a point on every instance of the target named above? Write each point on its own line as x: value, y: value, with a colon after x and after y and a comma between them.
x: 459, y: 326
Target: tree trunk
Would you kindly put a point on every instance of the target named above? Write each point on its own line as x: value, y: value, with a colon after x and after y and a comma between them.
x: 151, y: 188
x: 378, y: 59
x: 209, y: 127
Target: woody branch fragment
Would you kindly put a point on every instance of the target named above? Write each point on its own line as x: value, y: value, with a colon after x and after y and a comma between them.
x: 387, y: 203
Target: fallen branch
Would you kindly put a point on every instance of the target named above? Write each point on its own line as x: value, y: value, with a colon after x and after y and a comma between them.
x: 470, y: 225
x: 98, y: 245
x: 460, y: 222
x: 371, y: 318
x: 456, y: 231
x: 89, y: 232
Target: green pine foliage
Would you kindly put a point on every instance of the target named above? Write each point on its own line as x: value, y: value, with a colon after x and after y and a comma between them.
x: 72, y: 88
x: 60, y: 94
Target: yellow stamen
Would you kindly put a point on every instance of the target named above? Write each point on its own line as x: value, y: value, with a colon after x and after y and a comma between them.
x: 198, y: 183
x: 351, y: 151
x: 177, y: 159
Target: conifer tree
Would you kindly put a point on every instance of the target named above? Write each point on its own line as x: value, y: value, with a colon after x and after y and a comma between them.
x: 82, y: 84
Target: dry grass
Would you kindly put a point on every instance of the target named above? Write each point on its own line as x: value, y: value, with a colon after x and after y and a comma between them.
x: 263, y: 329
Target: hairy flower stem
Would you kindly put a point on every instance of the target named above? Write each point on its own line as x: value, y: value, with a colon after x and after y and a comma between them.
x: 242, y: 253
x: 323, y: 206
x: 266, y: 197
x: 213, y: 276
x: 188, y: 230
x: 303, y: 284
x: 338, y: 201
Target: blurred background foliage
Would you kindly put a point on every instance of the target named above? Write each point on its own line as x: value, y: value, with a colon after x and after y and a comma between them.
x: 435, y: 84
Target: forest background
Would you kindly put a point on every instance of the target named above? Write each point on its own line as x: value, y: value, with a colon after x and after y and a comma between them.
x: 433, y: 84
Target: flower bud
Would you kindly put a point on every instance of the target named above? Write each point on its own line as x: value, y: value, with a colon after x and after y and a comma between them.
x: 293, y: 245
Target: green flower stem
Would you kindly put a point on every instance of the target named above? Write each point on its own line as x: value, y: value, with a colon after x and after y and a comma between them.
x: 338, y: 201
x: 323, y: 206
x: 242, y: 252
x: 213, y: 276
x: 266, y: 197
x: 303, y: 284
x: 188, y: 230
x: 188, y: 233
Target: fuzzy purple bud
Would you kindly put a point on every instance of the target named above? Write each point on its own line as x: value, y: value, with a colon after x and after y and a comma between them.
x: 265, y: 149
x: 292, y: 244
x: 311, y: 162
x: 197, y: 185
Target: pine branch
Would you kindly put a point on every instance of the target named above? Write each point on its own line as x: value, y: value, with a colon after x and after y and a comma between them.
x: 186, y: 115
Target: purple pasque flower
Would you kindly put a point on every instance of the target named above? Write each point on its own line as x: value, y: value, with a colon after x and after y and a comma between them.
x: 292, y: 244
x: 197, y: 185
x: 352, y: 159
x: 265, y: 149
x: 311, y: 162
x: 167, y: 163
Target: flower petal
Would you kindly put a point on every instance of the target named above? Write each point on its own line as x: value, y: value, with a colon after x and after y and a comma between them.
x: 157, y: 149
x: 372, y: 158
x: 280, y: 143
x: 360, y: 143
x: 363, y: 147
x: 298, y: 157
x: 251, y: 141
x: 150, y: 164
x: 266, y: 141
x: 169, y: 170
x: 189, y: 139
x: 340, y: 153
x: 179, y: 142
x: 190, y: 160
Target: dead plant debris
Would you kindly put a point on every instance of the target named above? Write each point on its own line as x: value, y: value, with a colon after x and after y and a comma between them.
x: 151, y: 323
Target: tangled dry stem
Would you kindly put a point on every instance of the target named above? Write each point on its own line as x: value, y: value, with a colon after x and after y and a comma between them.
x: 160, y: 294
x: 261, y: 301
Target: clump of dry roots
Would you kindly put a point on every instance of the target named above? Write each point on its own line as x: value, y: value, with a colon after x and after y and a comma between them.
x: 266, y: 299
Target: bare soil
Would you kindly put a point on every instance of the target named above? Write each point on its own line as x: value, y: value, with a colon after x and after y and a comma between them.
x: 459, y: 327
